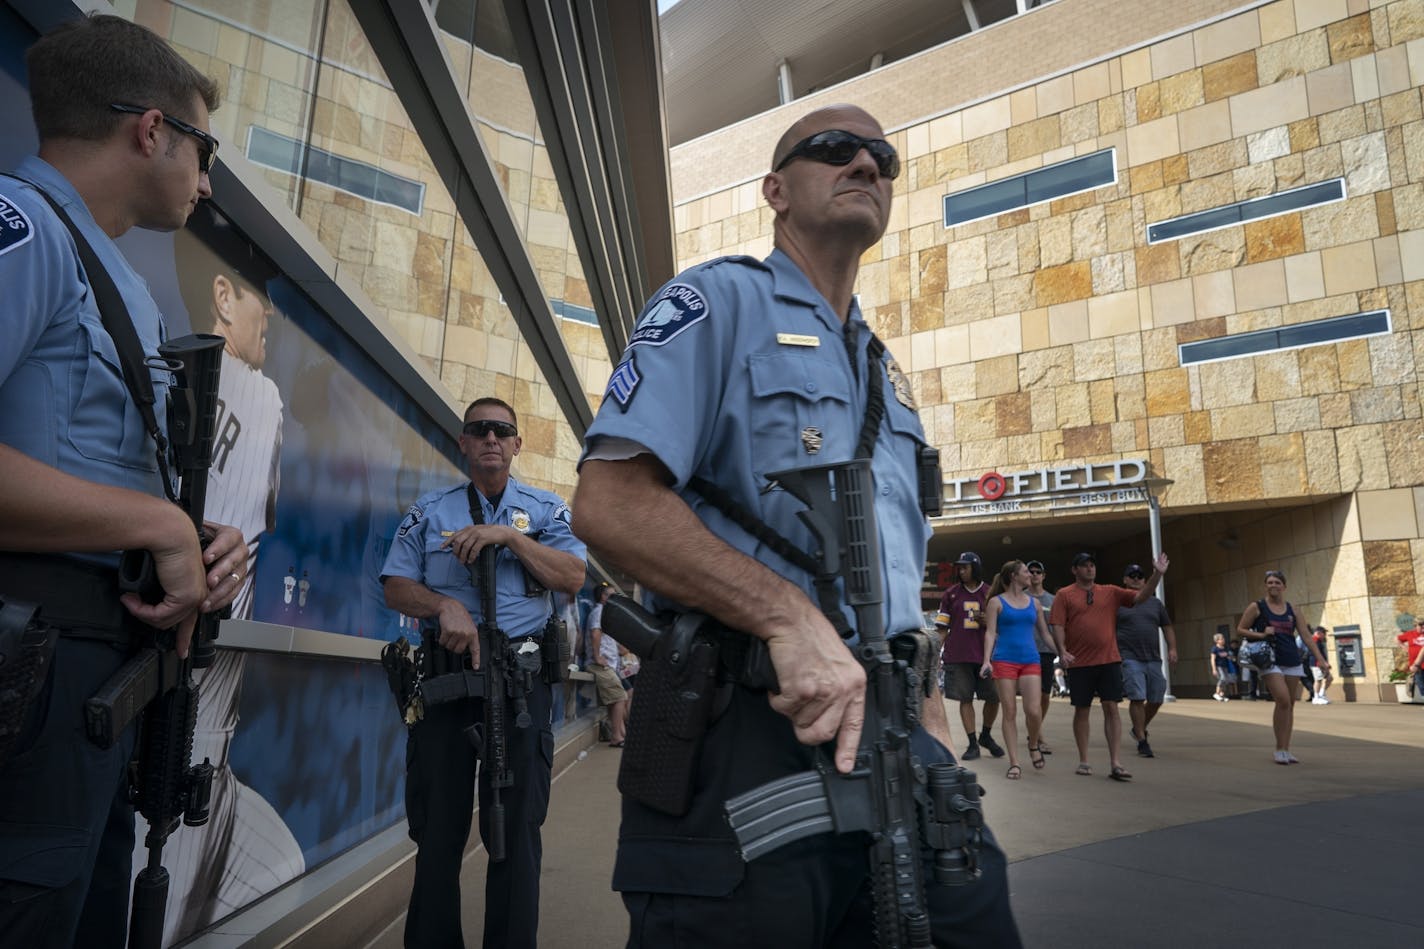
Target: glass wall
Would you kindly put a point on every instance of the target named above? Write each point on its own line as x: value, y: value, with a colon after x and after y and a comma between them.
x: 306, y: 99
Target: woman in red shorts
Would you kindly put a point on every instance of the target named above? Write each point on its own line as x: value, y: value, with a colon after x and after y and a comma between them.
x: 1011, y: 657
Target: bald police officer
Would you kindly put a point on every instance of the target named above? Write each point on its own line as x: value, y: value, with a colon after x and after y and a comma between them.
x: 425, y: 576
x: 737, y: 368
x: 122, y: 122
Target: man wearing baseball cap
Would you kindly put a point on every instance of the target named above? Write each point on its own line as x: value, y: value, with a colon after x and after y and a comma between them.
x: 1137, y: 640
x: 961, y: 620
x: 1084, y: 623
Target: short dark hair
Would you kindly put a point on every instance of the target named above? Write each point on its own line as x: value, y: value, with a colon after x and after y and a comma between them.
x: 210, y: 246
x: 491, y: 400
x: 82, y: 66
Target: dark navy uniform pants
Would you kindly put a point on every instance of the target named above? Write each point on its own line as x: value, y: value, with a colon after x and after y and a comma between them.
x: 66, y: 827
x: 685, y: 887
x: 440, y: 781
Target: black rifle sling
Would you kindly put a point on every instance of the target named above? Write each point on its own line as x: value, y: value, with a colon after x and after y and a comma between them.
x: 119, y: 325
x: 773, y: 539
x: 477, y: 511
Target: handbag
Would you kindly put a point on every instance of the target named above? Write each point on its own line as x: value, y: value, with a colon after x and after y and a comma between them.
x: 1257, y: 652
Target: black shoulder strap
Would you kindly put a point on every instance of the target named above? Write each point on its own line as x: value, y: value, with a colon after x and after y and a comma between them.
x: 875, y: 398
x: 119, y: 325
x: 773, y: 539
x: 477, y: 510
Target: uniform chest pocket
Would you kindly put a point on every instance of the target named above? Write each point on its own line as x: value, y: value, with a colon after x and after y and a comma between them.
x: 801, y: 406
x: 104, y: 424
x: 443, y: 570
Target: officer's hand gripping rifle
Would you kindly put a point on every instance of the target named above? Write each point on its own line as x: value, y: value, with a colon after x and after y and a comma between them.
x: 163, y: 784
x: 888, y: 794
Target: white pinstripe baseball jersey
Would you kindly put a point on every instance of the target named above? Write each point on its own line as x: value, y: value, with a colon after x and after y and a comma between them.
x: 243, y: 482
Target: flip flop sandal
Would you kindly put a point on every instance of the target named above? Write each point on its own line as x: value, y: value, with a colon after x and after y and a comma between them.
x: 1120, y: 774
x: 1084, y: 769
x: 1014, y: 773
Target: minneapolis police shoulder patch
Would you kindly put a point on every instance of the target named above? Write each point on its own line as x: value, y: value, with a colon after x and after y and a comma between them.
x: 412, y: 518
x: 672, y: 311
x: 15, y: 227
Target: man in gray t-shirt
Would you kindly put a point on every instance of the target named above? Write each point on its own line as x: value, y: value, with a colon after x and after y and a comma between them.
x: 1143, y: 682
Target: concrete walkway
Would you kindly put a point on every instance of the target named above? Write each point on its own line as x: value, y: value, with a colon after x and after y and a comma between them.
x: 1211, y: 844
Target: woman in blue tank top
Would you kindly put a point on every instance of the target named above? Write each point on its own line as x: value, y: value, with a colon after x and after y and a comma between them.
x: 1011, y: 657
x: 1273, y: 620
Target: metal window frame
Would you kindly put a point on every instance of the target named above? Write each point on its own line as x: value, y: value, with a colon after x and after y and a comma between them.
x: 1026, y: 177
x: 1184, y: 350
x: 257, y: 131
x: 1245, y: 206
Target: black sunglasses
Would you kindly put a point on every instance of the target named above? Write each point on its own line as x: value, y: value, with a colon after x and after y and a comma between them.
x: 207, y: 145
x: 1137, y: 576
x: 482, y: 427
x: 838, y: 147
x: 1035, y: 569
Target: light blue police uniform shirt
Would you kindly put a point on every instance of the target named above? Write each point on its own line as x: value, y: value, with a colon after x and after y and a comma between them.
x: 62, y: 394
x: 739, y: 367
x: 417, y: 553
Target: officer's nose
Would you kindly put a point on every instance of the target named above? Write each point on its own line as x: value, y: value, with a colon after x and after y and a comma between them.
x: 864, y: 164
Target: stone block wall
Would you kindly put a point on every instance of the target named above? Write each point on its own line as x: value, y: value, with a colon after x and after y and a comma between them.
x: 1050, y: 334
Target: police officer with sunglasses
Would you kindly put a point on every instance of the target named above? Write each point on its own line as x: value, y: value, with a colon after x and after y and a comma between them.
x: 737, y: 368
x: 426, y: 576
x: 79, y: 470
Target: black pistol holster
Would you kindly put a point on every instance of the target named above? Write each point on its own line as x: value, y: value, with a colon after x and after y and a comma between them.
x: 26, y: 648
x: 555, y: 651
x: 676, y: 691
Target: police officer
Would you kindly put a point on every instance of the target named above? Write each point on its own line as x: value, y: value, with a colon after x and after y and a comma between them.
x: 737, y: 368
x: 122, y: 123
x: 425, y: 576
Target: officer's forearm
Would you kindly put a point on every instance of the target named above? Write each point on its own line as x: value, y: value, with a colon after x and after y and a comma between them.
x: 413, y: 598
x: 554, y: 569
x: 934, y: 718
x: 44, y: 510
x: 614, y: 506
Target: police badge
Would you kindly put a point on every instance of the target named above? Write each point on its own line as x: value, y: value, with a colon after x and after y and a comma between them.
x: 519, y: 520
x: 901, y: 384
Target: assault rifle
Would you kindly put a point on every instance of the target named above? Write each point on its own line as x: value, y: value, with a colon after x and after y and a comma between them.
x: 163, y: 784
x: 490, y: 736
x: 888, y: 794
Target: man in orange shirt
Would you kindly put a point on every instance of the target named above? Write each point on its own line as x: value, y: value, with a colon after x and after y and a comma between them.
x: 1084, y: 624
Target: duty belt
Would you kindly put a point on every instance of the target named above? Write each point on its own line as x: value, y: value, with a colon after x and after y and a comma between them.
x: 79, y: 599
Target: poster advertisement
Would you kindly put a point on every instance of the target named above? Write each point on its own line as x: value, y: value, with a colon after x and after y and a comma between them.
x: 318, y: 454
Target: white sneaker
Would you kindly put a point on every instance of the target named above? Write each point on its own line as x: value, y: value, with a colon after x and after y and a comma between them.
x: 1283, y: 757
x: 1321, y: 700
x: 1291, y: 759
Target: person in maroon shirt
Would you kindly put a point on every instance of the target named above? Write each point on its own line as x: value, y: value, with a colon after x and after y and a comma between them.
x: 1084, y: 624
x: 961, y: 620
